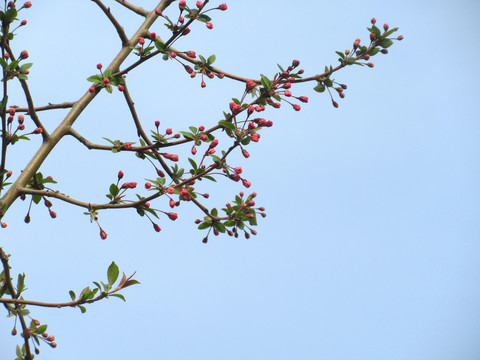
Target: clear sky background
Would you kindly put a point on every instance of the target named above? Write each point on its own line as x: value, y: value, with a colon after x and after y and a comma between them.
x: 371, y: 246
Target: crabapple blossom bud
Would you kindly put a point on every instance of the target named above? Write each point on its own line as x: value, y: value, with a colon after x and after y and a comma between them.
x: 295, y: 63
x: 234, y: 107
x: 158, y: 12
x: 203, y: 84
x: 14, y: 332
x: 199, y: 4
x: 156, y: 227
x: 157, y: 123
x: 223, y: 7
x: 370, y: 65
x: 120, y: 174
x: 373, y: 21
x: 246, y: 183
x: 24, y: 54
x: 174, y: 157
x: 38, y: 131
x: 220, y: 75
x: 121, y: 88
x: 366, y: 57
x: 27, y: 219
x: 188, y: 69
x: 205, y: 240
x: 170, y: 190
x: 372, y: 36
x: 186, y: 31
x: 3, y: 225
x: 169, y: 131
x: 182, y: 3
x: 91, y: 89
x: 245, y: 153
x: 172, y: 216
x: 384, y: 51
x: 400, y: 37
x: 194, y: 150
x: 191, y: 54
x: 99, y: 66
x: 128, y: 146
x: 160, y: 173
x: 172, y: 203
x: 204, y: 137
x: 214, y: 143
x: 103, y: 234
x: 288, y: 93
x: 148, y: 185
x: 385, y: 27
x: 250, y: 109
x: 296, y: 107
x: 23, y: 23
x: 303, y: 99
x: 21, y: 127
x: 209, y: 26
x: 52, y: 344
x: 106, y: 81
x: 153, y: 36
x: 238, y: 170
x: 176, y: 136
x: 198, y: 221
x: 335, y: 104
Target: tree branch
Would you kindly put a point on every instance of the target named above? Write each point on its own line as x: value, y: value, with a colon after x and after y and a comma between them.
x: 64, y: 105
x: 118, y: 27
x: 136, y: 9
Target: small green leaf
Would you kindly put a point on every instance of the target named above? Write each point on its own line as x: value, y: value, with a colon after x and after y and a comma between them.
x: 204, y: 225
x: 267, y: 84
x: 112, y: 273
x: 211, y: 59
x: 72, y: 295
x: 227, y: 124
x: 95, y: 79
x: 214, y: 212
x: 82, y: 309
x: 202, y: 59
x: 120, y: 296
x: 340, y: 54
x: 219, y: 226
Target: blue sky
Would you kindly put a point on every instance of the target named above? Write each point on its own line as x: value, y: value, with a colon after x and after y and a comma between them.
x: 370, y: 247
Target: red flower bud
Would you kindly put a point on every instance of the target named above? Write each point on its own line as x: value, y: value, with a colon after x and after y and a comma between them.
x: 103, y: 234
x: 209, y: 26
x: 223, y: 7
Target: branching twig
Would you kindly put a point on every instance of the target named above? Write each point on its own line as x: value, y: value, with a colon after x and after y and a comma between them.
x: 64, y: 105
x: 118, y: 27
x: 13, y: 294
x: 136, y: 9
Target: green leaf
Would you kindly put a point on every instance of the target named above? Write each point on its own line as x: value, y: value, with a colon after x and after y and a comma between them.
x: 219, y: 226
x: 187, y: 135
x: 209, y: 178
x: 130, y: 283
x: 374, y: 30
x: 95, y: 78
x: 72, y: 295
x: 193, y: 163
x: 120, y: 296
x: 267, y: 84
x: 193, y: 129
x: 204, y: 225
x: 42, y: 328
x: 340, y: 54
x: 214, y: 212
x: 82, y: 309
x: 21, y: 283
x: 112, y: 273
x: 374, y: 51
x: 211, y: 59
x: 114, y: 190
x: 319, y: 88
x: 202, y: 59
x: 227, y: 124
x: 26, y: 66
x: 386, y: 43
x: 36, y: 198
x: 109, y: 88
x: 390, y: 32
x: 204, y: 18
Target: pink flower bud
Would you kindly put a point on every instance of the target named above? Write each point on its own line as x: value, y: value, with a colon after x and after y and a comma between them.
x: 120, y: 174
x: 156, y: 227
x: 209, y: 26
x: 103, y: 234
x: 148, y: 185
x: 172, y: 216
x: 223, y: 7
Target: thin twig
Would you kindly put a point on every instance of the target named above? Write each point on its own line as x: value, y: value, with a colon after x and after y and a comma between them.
x: 64, y: 105
x: 136, y: 9
x: 118, y: 27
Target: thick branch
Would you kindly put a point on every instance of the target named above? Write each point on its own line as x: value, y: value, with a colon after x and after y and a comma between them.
x: 72, y: 116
